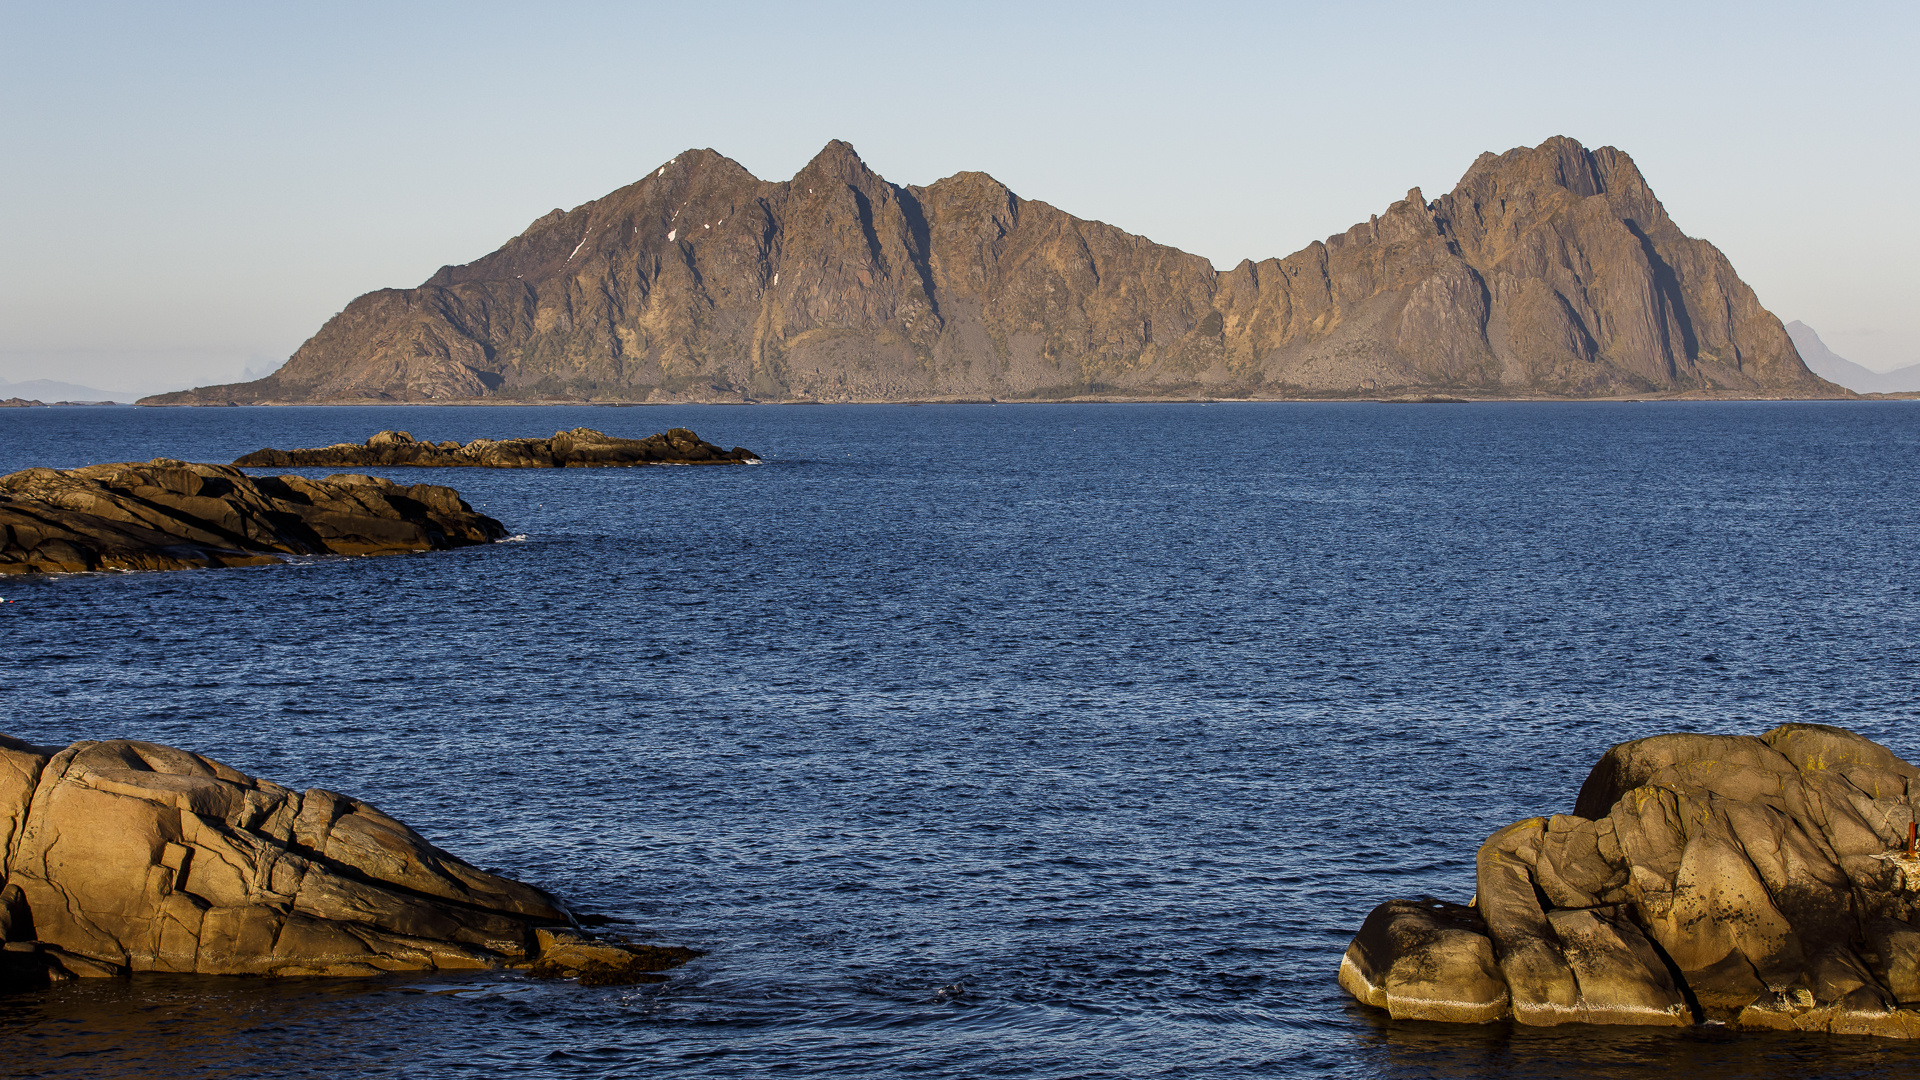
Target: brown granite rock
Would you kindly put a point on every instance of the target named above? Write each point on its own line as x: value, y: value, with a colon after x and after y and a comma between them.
x: 581, y: 447
x: 169, y: 515
x: 128, y: 856
x: 1426, y: 960
x: 1761, y: 882
x: 1548, y: 271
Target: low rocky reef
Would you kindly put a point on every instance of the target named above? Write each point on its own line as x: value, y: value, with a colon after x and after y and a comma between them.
x: 1764, y: 883
x: 128, y: 857
x: 171, y: 515
x: 579, y: 448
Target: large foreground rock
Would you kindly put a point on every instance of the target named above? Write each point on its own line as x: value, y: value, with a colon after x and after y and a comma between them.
x: 581, y: 447
x: 169, y: 515
x: 129, y: 856
x: 1760, y: 882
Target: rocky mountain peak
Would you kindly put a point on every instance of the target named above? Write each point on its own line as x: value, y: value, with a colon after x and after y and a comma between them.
x: 837, y: 161
x: 1547, y: 271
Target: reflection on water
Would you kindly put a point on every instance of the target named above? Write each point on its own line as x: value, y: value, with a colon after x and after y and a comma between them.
x: 1423, y: 1049
x: 159, y: 1025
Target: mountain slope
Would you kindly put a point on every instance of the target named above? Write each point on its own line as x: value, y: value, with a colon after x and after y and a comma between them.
x: 1550, y: 271
x: 1823, y: 362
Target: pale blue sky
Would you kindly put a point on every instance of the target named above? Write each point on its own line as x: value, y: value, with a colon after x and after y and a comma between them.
x: 193, y: 188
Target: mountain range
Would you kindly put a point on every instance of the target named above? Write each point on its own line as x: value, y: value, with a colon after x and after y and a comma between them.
x: 1837, y: 369
x: 54, y: 390
x: 1549, y: 271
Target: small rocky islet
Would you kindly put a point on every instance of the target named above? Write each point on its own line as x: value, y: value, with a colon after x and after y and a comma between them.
x: 580, y: 448
x: 121, y: 856
x: 171, y: 515
x: 1758, y: 882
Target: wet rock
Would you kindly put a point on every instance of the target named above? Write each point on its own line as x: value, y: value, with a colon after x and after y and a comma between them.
x: 128, y: 856
x: 566, y: 954
x: 170, y: 515
x: 579, y: 448
x: 1760, y: 882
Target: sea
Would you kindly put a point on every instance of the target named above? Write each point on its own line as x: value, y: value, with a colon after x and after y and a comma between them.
x: 1049, y: 741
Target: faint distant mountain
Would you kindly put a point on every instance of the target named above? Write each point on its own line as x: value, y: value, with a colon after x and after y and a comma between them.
x: 53, y: 390
x: 1549, y: 271
x: 1822, y: 362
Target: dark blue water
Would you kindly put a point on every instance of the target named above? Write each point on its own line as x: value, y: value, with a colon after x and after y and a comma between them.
x: 1036, y: 741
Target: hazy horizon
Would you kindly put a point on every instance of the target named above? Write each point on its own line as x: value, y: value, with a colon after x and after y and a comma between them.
x: 197, y: 189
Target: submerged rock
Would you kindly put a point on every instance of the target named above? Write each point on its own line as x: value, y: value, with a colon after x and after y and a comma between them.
x: 129, y: 856
x: 568, y: 954
x: 581, y: 447
x: 1760, y: 882
x: 170, y: 515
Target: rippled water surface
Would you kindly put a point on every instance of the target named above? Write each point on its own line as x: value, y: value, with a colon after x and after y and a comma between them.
x: 1037, y: 741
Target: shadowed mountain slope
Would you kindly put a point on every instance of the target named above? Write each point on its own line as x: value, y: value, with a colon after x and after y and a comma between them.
x: 1551, y: 271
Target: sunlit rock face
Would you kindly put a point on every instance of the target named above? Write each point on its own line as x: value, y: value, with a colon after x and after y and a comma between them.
x: 125, y: 857
x: 130, y: 856
x: 1760, y: 882
x: 1547, y: 271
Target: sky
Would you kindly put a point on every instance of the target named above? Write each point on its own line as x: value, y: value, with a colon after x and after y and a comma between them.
x: 189, y: 190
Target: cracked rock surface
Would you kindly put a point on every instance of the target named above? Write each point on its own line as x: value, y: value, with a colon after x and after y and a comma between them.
x: 129, y: 856
x: 1756, y: 881
x: 172, y: 515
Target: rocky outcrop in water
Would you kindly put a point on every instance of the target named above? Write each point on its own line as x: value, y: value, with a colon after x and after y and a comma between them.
x: 22, y: 403
x: 1760, y: 882
x: 171, y: 515
x: 1547, y: 271
x: 124, y: 856
x: 581, y: 447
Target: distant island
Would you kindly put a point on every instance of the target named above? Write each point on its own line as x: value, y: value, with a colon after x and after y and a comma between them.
x: 1548, y: 272
x: 42, y: 393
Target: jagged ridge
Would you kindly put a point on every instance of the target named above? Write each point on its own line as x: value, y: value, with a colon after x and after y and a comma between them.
x: 1550, y: 271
